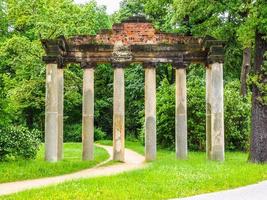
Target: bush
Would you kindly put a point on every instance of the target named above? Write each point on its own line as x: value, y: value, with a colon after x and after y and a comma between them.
x: 73, y: 133
x: 99, y: 134
x: 237, y: 115
x: 19, y: 142
x: 166, y: 115
x: 196, y: 111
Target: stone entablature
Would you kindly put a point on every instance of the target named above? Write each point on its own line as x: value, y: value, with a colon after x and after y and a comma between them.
x: 139, y: 42
x: 134, y: 41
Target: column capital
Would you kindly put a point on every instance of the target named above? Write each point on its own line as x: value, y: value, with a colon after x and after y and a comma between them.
x: 179, y: 65
x: 150, y: 64
x: 214, y: 49
x: 120, y: 64
x: 216, y: 55
x: 61, y: 62
x: 88, y: 65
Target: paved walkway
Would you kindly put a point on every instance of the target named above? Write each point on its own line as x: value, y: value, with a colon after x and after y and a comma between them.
x: 133, y: 161
x: 251, y: 192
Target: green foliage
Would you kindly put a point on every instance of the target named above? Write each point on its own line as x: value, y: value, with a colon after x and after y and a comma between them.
x: 165, y: 114
x: 134, y: 90
x: 73, y: 77
x: 196, y: 115
x: 104, y: 98
x: 22, y: 79
x: 73, y: 133
x: 22, y: 72
x: 19, y: 142
x: 99, y: 134
x: 237, y: 117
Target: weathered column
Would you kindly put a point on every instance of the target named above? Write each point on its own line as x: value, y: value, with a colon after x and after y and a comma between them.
x: 214, y: 99
x: 60, y: 77
x: 118, y: 113
x: 208, y: 112
x: 51, y: 113
x: 215, y: 112
x: 181, y: 114
x: 150, y: 112
x: 88, y: 112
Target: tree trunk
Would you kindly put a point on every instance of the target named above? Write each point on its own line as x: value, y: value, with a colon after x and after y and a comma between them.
x: 258, y: 146
x: 245, y: 71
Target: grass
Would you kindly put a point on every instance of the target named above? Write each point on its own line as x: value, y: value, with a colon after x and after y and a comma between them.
x: 165, y: 178
x: 23, y: 170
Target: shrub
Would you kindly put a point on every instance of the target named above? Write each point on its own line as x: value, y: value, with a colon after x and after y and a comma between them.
x: 99, y: 134
x: 166, y: 115
x: 73, y: 133
x: 196, y: 111
x: 237, y: 117
x: 19, y: 142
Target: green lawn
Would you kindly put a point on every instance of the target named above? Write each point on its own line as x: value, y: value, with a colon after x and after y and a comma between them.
x: 22, y: 170
x: 163, y: 179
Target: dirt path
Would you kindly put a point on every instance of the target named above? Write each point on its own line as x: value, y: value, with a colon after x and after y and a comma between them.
x: 133, y: 161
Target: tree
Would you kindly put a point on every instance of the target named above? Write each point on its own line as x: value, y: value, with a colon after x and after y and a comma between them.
x: 258, y: 148
x: 22, y: 72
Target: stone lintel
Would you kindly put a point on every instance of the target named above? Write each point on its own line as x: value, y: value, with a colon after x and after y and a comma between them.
x: 215, y: 59
x: 215, y: 54
x: 211, y: 41
x: 88, y: 65
x: 59, y: 60
x: 150, y: 64
x: 214, y: 49
x: 92, y: 47
x: 120, y: 64
x: 49, y: 59
x: 179, y: 65
x: 52, y: 48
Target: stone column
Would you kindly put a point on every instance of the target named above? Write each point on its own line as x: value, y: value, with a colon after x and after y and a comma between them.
x: 181, y: 114
x: 118, y: 114
x: 60, y: 77
x: 88, y: 112
x: 51, y: 113
x: 208, y: 112
x: 150, y: 112
x: 216, y: 126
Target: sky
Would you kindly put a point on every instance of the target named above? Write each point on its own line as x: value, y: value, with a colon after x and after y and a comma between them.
x: 112, y: 5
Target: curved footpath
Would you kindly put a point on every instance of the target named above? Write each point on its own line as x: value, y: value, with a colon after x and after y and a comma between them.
x: 252, y: 192
x: 133, y: 161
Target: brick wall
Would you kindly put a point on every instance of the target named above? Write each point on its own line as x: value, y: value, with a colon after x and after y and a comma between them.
x: 131, y: 33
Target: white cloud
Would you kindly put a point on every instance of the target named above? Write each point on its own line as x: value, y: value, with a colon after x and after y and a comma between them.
x: 112, y: 5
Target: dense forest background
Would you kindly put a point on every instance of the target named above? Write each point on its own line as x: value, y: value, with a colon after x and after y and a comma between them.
x: 22, y: 73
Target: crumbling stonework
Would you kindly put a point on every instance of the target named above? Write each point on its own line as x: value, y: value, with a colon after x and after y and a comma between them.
x: 134, y: 40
